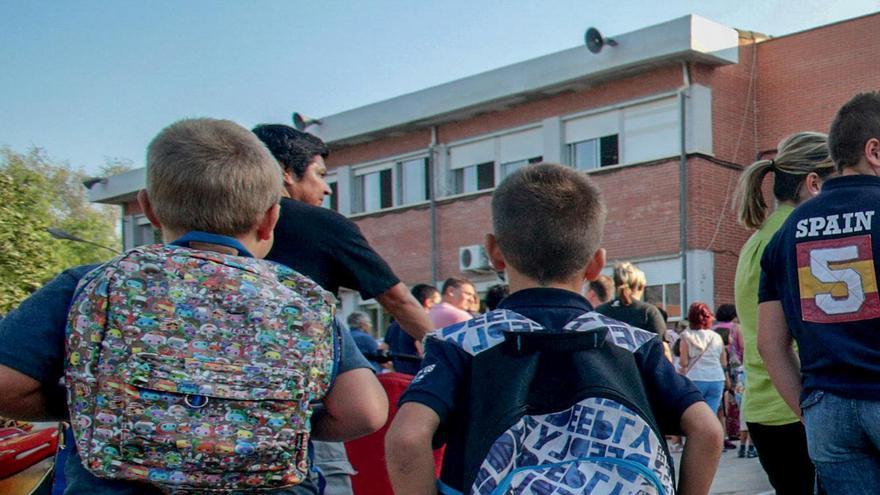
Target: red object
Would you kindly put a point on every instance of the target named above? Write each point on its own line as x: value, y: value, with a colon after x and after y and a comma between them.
x: 367, y: 454
x: 20, y: 450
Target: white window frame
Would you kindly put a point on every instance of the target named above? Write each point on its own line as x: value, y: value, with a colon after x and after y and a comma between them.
x: 571, y: 153
x: 395, y: 165
x: 492, y: 147
x: 614, y: 119
x: 330, y: 179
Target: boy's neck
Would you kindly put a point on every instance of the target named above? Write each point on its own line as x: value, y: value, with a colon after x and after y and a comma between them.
x: 517, y: 282
x: 246, y: 240
x: 219, y: 248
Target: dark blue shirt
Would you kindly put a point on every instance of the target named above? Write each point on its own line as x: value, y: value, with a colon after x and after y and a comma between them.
x: 400, y: 342
x: 822, y: 267
x: 441, y: 382
x: 367, y: 345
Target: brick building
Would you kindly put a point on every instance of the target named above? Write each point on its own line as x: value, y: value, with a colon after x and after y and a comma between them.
x: 673, y: 110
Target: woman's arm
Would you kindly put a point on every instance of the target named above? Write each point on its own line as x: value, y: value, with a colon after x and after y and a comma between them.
x: 683, y: 354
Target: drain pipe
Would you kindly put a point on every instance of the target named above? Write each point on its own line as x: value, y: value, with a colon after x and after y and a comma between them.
x: 683, y: 94
x: 432, y: 196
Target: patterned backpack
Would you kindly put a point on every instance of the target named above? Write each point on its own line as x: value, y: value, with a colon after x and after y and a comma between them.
x: 567, y: 413
x: 194, y: 370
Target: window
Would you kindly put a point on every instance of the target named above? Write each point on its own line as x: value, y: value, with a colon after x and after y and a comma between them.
x: 390, y: 184
x: 332, y: 201
x: 478, y: 165
x: 593, y: 153
x: 509, y: 168
x: 473, y: 178
x: 667, y: 296
x: 373, y: 191
x: 414, y: 182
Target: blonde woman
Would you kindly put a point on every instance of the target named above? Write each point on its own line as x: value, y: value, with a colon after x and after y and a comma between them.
x: 802, y: 162
x: 629, y: 283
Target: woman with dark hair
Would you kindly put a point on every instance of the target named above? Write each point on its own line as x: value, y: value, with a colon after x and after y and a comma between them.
x: 727, y: 326
x: 801, y: 164
x: 702, y: 357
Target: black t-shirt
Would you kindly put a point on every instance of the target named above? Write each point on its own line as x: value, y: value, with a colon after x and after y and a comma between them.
x: 330, y: 249
x: 638, y: 314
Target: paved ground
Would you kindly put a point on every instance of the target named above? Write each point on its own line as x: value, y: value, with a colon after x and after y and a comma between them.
x: 737, y: 476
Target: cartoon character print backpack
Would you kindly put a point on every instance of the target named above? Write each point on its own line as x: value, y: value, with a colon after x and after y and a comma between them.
x: 194, y: 370
x: 567, y: 413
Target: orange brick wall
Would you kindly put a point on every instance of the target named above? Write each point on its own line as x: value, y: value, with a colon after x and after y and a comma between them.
x: 642, y: 203
x: 733, y: 124
x: 712, y: 224
x: 805, y: 77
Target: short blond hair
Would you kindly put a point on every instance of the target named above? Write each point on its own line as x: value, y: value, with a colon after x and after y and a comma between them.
x: 210, y: 175
x: 628, y: 279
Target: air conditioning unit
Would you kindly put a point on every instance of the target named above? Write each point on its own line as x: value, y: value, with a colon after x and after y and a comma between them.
x: 473, y: 259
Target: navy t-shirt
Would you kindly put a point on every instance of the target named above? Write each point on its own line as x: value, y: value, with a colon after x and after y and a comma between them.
x: 330, y: 249
x: 400, y: 342
x: 367, y: 345
x: 822, y: 267
x: 441, y: 384
x: 32, y: 340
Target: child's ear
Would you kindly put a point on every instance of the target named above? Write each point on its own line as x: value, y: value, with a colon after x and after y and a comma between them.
x: 143, y: 199
x: 596, y: 264
x: 872, y: 153
x: 496, y: 259
x: 267, y: 223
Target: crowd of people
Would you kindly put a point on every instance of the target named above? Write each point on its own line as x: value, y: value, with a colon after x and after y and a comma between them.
x: 217, y: 361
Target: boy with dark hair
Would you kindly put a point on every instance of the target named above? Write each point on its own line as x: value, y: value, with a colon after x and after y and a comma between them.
x: 547, y: 223
x: 426, y: 295
x: 495, y: 295
x: 819, y: 287
x: 599, y: 291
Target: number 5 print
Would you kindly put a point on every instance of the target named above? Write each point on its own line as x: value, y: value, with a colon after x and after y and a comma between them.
x: 837, y: 280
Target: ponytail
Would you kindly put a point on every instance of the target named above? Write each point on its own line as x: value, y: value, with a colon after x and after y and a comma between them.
x: 750, y: 196
x: 797, y: 156
x: 624, y: 293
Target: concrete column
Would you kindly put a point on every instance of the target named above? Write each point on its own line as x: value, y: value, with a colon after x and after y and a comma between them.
x: 344, y: 189
x: 553, y: 145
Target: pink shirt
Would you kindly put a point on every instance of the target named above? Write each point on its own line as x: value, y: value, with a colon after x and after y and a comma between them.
x: 445, y: 314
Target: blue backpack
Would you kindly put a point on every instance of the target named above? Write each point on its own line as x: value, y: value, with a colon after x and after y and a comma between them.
x: 555, y: 412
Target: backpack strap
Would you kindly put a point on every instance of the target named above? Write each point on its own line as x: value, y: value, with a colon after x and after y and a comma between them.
x: 528, y: 343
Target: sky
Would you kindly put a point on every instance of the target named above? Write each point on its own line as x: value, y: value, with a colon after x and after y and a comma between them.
x: 90, y: 80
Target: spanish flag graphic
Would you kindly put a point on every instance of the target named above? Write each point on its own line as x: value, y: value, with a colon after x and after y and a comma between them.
x: 837, y: 280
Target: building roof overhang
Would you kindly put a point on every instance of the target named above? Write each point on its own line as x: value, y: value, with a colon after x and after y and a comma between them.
x: 687, y: 39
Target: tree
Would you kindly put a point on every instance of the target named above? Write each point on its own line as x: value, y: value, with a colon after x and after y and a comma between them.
x: 37, y: 193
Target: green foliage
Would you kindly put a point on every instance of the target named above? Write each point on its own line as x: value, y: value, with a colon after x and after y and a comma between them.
x: 36, y: 193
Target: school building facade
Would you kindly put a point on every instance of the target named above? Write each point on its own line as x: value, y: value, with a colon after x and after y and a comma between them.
x: 663, y: 122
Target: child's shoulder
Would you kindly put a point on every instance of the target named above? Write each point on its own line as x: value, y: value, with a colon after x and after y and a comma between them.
x: 485, y: 331
x: 488, y: 330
